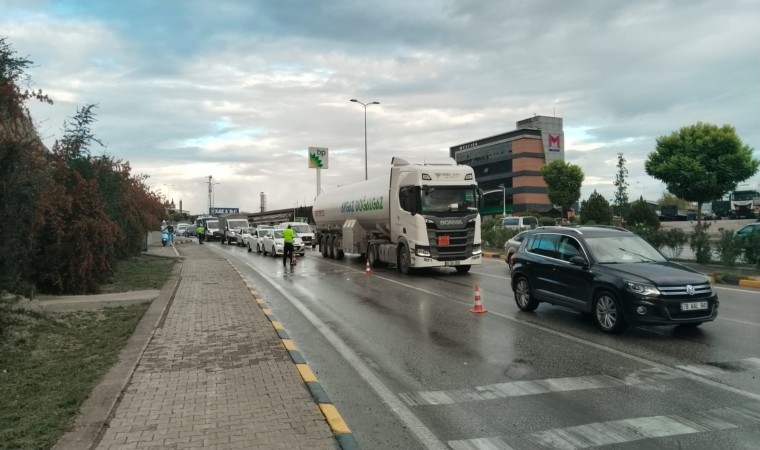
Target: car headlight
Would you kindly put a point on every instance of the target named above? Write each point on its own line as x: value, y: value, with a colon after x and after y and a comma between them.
x: 278, y: 244
x: 647, y: 290
x: 422, y: 250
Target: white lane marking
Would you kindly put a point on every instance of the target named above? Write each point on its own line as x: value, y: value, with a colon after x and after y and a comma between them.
x: 535, y: 387
x: 626, y: 430
x: 743, y: 322
x: 710, y: 369
x: 421, y: 432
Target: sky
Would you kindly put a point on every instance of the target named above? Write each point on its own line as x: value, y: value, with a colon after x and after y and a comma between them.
x: 239, y: 90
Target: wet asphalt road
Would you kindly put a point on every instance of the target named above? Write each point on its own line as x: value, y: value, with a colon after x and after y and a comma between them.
x: 408, y: 366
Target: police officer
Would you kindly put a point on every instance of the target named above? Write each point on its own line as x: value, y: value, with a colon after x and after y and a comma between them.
x: 287, y: 235
x: 201, y: 230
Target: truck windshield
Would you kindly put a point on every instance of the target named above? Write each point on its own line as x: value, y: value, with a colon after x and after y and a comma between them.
x: 442, y: 199
x: 212, y: 224
x: 744, y: 195
x: 301, y: 228
x: 237, y: 223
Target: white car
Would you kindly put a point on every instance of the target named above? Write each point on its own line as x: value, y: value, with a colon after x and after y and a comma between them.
x: 242, y: 235
x: 303, y: 230
x: 256, y: 241
x: 274, y: 244
x: 511, y: 246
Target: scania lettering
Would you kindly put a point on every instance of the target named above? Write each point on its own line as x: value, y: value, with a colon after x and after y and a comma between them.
x: 415, y: 216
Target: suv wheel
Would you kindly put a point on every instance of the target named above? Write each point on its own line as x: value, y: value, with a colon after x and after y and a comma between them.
x: 523, y: 295
x: 608, y: 314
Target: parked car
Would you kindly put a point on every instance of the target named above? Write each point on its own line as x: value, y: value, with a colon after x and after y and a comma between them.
x: 511, y: 246
x: 611, y: 273
x: 303, y: 230
x: 748, y: 230
x: 256, y: 240
x: 519, y: 223
x: 274, y: 244
x: 242, y: 235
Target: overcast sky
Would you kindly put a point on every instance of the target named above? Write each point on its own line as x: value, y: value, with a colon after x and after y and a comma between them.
x: 240, y: 89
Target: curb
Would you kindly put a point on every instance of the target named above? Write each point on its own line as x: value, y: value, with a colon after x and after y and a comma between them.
x: 749, y: 283
x: 493, y: 255
x: 338, y: 426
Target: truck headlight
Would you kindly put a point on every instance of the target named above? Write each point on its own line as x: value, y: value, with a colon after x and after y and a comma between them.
x: 476, y: 249
x: 422, y: 251
x: 646, y: 290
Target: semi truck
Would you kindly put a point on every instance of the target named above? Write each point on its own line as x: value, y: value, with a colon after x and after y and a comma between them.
x: 414, y: 216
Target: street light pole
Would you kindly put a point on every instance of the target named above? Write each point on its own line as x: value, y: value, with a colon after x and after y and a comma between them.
x: 365, y: 131
x: 504, y: 200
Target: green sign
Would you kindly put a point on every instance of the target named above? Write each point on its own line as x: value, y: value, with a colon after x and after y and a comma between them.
x: 317, y: 157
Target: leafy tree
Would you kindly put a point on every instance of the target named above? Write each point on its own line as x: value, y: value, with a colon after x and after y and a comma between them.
x: 596, y: 210
x: 641, y: 213
x: 670, y: 199
x: 701, y: 163
x: 564, y: 183
x: 621, y: 187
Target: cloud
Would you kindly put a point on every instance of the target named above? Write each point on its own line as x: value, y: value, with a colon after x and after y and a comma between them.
x: 240, y: 89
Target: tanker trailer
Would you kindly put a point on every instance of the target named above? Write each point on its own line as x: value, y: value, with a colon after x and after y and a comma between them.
x: 418, y: 215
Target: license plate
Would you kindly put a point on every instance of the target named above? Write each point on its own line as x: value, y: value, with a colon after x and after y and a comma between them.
x: 451, y: 263
x: 693, y: 306
x: 443, y: 240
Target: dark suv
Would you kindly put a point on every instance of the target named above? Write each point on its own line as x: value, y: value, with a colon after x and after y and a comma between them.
x: 611, y: 273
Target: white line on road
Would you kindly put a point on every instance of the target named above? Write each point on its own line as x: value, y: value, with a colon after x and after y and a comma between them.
x: 421, y: 432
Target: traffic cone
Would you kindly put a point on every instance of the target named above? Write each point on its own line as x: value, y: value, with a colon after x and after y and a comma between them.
x: 367, y: 269
x: 478, y: 308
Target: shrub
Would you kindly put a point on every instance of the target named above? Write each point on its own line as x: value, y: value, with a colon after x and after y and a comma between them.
x: 675, y: 239
x: 654, y: 236
x: 546, y: 221
x: 641, y: 213
x: 751, y: 248
x: 728, y: 247
x: 700, y: 244
x: 596, y: 210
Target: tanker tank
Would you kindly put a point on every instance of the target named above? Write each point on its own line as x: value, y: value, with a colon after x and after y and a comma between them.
x: 366, y: 201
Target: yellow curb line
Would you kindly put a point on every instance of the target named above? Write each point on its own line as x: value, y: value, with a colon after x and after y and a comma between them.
x: 277, y: 325
x: 306, y: 374
x: 289, y: 344
x: 334, y: 419
x: 749, y: 283
x: 267, y: 312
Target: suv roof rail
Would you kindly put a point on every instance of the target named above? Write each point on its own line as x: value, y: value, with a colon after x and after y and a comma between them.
x: 611, y: 227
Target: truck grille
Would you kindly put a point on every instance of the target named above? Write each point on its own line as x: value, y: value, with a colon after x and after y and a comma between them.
x: 460, y: 243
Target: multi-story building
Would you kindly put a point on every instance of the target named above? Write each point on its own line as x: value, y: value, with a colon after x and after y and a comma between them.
x: 513, y: 160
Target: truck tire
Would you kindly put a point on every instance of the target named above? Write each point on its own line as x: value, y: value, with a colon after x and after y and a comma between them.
x: 323, y: 246
x: 372, y: 255
x: 463, y: 269
x: 404, y: 260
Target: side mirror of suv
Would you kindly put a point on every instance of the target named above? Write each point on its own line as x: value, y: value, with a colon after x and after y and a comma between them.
x: 579, y: 261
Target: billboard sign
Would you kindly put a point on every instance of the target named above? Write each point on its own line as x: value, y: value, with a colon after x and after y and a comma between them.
x: 554, y: 143
x: 317, y: 157
x: 215, y: 210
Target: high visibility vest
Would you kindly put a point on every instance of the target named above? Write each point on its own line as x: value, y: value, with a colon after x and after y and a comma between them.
x: 287, y: 235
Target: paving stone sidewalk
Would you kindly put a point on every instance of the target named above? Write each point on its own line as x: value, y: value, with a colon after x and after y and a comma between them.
x: 216, y: 375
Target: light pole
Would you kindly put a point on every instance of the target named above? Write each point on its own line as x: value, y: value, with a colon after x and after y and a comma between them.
x: 365, y: 131
x: 504, y: 200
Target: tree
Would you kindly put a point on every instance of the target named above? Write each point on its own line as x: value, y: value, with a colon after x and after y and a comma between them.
x: 670, y: 199
x: 564, y: 183
x: 596, y: 210
x: 642, y: 214
x: 621, y: 185
x: 701, y: 163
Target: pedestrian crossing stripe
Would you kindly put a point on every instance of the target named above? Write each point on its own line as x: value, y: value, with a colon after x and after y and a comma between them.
x: 626, y: 430
x: 535, y: 387
x: 720, y: 368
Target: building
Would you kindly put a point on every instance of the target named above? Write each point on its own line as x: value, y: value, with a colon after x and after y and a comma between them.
x: 514, y: 160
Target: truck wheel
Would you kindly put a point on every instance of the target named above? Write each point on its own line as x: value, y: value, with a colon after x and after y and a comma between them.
x: 463, y: 269
x: 404, y: 260
x: 372, y: 256
x: 323, y: 246
x: 331, y: 248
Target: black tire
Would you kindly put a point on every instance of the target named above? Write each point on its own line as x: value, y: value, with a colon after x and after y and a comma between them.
x: 264, y: 250
x: 330, y: 248
x: 372, y: 256
x: 463, y: 269
x: 524, y: 295
x: 323, y: 247
x: 249, y: 248
x: 608, y: 313
x: 337, y: 251
x: 404, y: 260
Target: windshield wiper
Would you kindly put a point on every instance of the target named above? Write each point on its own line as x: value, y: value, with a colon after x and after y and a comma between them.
x: 643, y: 258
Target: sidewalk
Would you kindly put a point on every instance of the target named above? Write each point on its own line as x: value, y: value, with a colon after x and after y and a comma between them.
x: 214, y: 373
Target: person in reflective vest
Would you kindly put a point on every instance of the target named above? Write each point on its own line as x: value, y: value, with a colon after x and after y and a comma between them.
x: 287, y: 235
x: 201, y: 231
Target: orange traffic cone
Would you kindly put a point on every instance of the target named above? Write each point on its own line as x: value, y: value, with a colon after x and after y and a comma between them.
x: 478, y: 308
x: 367, y: 269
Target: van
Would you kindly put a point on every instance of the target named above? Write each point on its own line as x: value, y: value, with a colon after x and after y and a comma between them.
x: 304, y: 231
x: 519, y: 223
